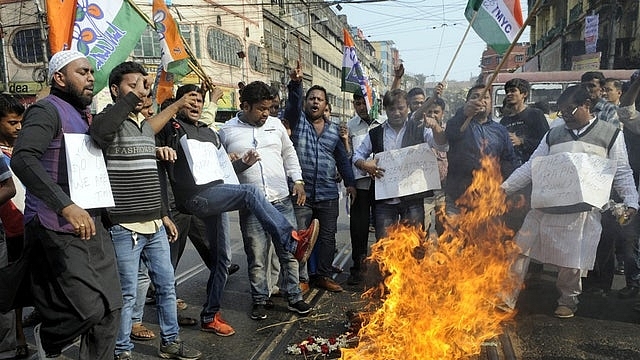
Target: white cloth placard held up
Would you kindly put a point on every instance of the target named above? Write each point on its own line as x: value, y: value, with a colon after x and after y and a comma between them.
x: 89, y: 185
x: 407, y: 171
x: 207, y: 163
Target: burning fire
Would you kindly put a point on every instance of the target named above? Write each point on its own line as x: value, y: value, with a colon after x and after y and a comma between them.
x: 439, y: 297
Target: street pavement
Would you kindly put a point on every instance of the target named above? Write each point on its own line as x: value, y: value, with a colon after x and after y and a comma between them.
x: 605, y: 327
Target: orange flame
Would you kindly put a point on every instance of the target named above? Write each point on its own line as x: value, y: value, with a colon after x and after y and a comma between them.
x: 439, y: 298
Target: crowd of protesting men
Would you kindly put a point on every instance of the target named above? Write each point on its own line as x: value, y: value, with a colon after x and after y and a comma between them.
x: 88, y: 269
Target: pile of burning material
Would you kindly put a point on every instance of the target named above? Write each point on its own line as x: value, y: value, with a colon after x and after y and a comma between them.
x: 439, y: 298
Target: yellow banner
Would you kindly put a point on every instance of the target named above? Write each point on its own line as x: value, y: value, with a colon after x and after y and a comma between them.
x: 23, y: 87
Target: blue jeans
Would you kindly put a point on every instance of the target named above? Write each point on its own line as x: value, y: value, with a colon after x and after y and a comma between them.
x: 208, y: 204
x: 257, y: 245
x: 327, y: 213
x: 388, y: 214
x: 130, y: 247
x: 141, y: 293
x: 217, y: 235
x: 221, y: 198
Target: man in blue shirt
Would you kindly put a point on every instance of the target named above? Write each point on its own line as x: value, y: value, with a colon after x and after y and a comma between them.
x: 467, y: 144
x: 320, y: 150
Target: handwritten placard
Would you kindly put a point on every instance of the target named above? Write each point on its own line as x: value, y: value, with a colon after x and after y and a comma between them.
x: 228, y: 174
x: 207, y: 163
x: 571, y: 179
x: 89, y: 185
x: 409, y: 170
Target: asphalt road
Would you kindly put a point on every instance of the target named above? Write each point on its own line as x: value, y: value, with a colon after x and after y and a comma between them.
x: 605, y: 327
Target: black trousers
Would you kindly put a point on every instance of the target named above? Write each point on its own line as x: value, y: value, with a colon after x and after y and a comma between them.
x: 76, y: 289
x: 194, y: 228
x: 359, y: 226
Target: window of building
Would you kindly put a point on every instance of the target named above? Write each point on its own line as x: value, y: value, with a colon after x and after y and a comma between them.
x: 519, y: 58
x: 148, y: 46
x: 223, y: 47
x: 255, y: 58
x: 27, y: 46
x: 191, y: 35
x: 185, y: 31
x: 196, y: 42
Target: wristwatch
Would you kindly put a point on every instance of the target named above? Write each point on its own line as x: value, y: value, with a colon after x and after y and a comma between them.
x: 299, y: 182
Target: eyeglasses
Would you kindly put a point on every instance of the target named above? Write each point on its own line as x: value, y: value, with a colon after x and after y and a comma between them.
x: 559, y: 113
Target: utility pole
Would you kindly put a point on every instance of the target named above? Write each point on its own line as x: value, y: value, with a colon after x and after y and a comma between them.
x: 42, y: 21
x: 5, y: 70
x: 613, y: 7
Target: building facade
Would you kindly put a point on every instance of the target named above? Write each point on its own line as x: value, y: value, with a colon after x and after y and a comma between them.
x: 558, y: 35
x: 238, y: 41
x: 491, y: 59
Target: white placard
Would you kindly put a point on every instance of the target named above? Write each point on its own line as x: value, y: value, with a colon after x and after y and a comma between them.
x: 409, y: 170
x: 89, y: 185
x: 207, y: 163
x: 567, y: 179
x: 229, y: 174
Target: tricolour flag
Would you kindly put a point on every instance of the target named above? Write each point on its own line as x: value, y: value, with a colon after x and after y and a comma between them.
x: 60, y: 16
x: 106, y: 31
x: 497, y: 22
x: 174, y: 55
x: 353, y: 78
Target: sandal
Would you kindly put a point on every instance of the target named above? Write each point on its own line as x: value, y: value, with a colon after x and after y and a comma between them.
x: 180, y: 304
x: 22, y: 352
x: 141, y: 333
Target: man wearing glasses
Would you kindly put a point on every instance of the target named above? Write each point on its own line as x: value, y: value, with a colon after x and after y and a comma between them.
x: 567, y: 235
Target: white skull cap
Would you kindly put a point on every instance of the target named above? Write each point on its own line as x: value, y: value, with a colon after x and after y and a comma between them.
x: 61, y: 59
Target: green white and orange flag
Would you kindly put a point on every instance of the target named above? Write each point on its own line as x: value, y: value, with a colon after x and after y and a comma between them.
x: 106, y: 31
x: 497, y: 21
x: 354, y: 79
x: 60, y: 17
x: 175, y: 58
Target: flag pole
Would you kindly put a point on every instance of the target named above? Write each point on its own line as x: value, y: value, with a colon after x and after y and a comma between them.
x: 455, y: 55
x: 193, y: 62
x: 530, y: 16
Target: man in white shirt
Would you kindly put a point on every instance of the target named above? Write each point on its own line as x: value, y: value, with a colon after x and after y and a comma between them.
x: 568, y: 236
x: 253, y: 132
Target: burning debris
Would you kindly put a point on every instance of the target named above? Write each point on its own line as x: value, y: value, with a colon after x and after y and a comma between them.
x: 439, y: 297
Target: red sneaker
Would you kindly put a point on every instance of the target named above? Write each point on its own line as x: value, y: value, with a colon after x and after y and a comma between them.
x: 218, y: 326
x: 306, y: 240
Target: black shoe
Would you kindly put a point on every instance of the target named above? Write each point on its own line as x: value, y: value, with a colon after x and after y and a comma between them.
x: 300, y: 307
x: 125, y: 355
x: 258, y: 312
x: 628, y: 292
x: 178, y: 350
x: 269, y: 305
x: 233, y: 268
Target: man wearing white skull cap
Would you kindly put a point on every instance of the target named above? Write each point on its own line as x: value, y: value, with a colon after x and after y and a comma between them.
x: 62, y: 59
x: 75, y: 282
